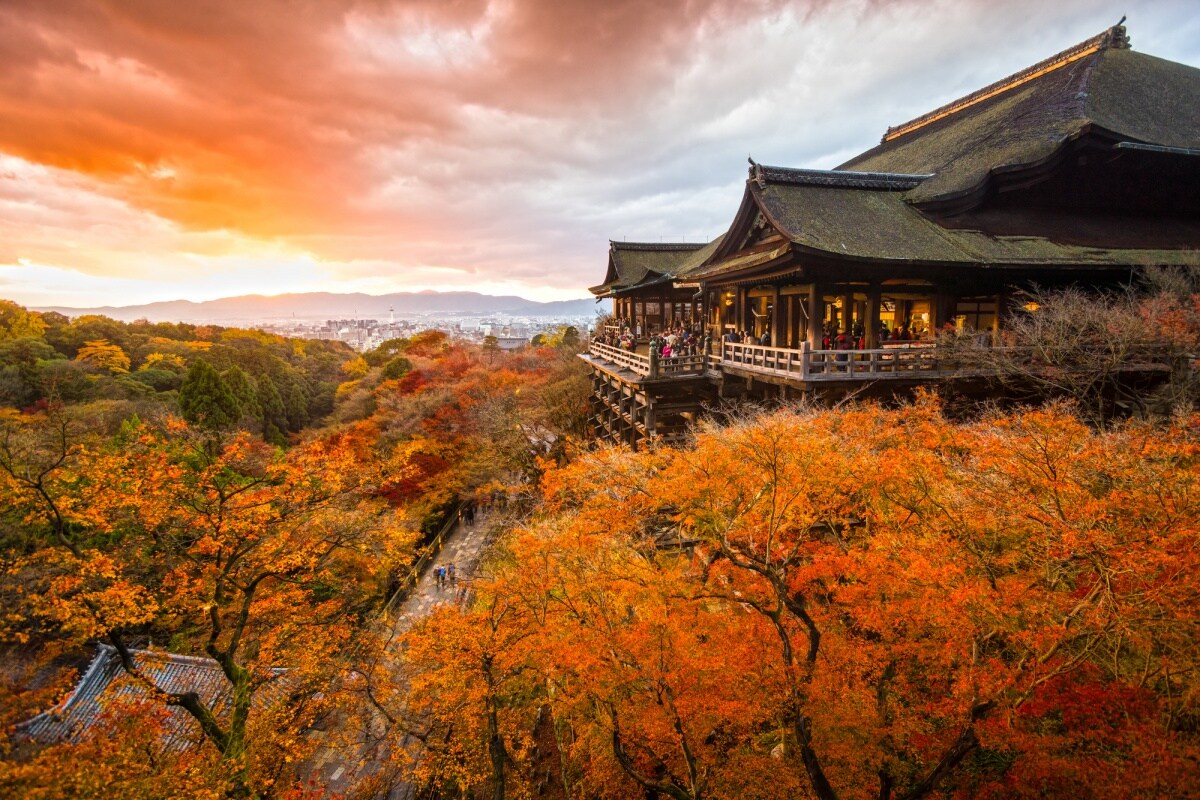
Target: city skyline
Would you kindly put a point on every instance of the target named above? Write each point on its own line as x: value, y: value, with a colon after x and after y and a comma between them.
x: 152, y: 152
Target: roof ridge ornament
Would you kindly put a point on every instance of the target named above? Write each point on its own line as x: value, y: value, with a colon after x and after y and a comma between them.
x: 654, y: 246
x: 1114, y: 38
x: 836, y: 178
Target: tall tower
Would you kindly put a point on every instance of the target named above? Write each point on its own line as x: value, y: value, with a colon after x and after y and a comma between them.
x: 391, y: 315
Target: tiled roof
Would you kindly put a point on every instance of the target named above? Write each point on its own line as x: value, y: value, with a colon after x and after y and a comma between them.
x: 101, y: 686
x: 844, y: 179
x: 634, y: 263
x: 879, y: 225
x: 1025, y: 119
x: 1113, y: 37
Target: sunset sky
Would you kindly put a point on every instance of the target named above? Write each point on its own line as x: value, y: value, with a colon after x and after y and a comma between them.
x: 162, y: 149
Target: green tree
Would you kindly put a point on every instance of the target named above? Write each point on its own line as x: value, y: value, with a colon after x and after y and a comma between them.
x: 20, y: 373
x: 396, y: 369
x: 385, y: 351
x: 245, y: 392
x: 205, y: 399
x: 295, y: 403
x: 491, y: 346
x: 270, y: 404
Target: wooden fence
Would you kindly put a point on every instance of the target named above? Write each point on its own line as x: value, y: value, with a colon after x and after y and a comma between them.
x: 902, y: 361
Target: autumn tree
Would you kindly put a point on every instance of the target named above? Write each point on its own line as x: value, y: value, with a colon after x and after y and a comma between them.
x: 103, y: 354
x: 16, y: 322
x: 1114, y: 355
x: 258, y: 556
x: 870, y: 603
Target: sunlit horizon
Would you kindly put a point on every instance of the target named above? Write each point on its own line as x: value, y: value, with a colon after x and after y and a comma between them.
x: 165, y: 153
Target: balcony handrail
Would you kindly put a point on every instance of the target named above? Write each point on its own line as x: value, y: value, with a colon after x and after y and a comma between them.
x: 805, y: 364
x: 634, y: 362
x: 652, y: 365
x: 918, y: 359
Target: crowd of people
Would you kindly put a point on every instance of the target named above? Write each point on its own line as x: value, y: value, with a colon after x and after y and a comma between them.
x: 834, y: 338
x: 623, y: 339
x: 677, y: 340
x: 680, y: 340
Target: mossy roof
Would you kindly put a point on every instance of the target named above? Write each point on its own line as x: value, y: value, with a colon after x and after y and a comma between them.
x: 638, y: 263
x: 880, y: 225
x: 1026, y: 118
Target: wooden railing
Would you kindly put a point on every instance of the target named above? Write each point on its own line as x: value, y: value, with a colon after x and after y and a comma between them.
x: 649, y: 366
x: 915, y: 360
x: 631, y: 361
x: 678, y: 365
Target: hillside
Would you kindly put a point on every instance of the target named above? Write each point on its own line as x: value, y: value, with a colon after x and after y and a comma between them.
x: 329, y: 305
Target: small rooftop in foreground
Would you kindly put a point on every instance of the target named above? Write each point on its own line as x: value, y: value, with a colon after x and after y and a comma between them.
x: 105, y: 684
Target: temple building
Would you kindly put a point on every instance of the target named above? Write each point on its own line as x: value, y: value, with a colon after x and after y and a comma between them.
x: 105, y: 686
x: 1078, y: 171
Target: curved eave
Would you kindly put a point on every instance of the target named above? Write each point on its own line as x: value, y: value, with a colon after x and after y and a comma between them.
x: 1019, y: 173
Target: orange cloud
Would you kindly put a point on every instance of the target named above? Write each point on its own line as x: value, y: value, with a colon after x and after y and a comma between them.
x: 471, y: 138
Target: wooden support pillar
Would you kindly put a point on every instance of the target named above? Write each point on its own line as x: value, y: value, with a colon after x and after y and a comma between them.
x: 792, y: 339
x: 874, y: 303
x: 777, y: 318
x: 943, y: 312
x: 1001, y: 304
x: 847, y: 320
x: 740, y: 302
x: 816, y: 313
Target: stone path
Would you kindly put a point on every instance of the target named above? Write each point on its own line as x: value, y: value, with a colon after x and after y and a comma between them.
x: 463, y: 546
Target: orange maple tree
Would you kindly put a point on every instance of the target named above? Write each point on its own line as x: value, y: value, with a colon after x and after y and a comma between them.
x: 868, y: 602
x: 253, y: 557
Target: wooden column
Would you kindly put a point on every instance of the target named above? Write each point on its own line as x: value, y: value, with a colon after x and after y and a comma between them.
x: 847, y: 321
x: 740, y: 302
x: 816, y: 312
x: 792, y: 338
x: 874, y: 302
x: 777, y: 318
x: 1001, y: 301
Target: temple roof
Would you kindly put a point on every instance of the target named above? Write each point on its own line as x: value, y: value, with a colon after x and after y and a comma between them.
x: 843, y: 221
x: 100, y: 688
x: 1097, y: 86
x: 1089, y: 158
x: 641, y: 263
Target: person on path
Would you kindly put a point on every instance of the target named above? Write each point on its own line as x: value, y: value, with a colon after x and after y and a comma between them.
x: 450, y: 573
x: 439, y: 576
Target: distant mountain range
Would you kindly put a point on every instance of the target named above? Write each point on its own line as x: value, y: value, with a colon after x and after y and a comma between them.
x: 328, y: 305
